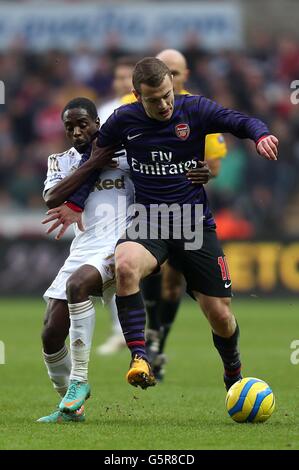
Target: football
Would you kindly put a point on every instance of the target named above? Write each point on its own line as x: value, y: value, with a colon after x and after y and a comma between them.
x: 250, y: 400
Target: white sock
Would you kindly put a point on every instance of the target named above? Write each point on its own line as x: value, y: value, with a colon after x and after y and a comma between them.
x: 116, y: 327
x: 59, y: 368
x: 82, y: 316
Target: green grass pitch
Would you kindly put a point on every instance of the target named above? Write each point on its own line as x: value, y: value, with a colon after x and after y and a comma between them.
x: 185, y: 412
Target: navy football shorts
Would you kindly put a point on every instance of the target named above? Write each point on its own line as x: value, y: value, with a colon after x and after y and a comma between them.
x: 205, y: 270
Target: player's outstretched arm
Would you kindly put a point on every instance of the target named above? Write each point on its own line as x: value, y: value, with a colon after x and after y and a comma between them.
x: 86, y: 175
x: 215, y: 118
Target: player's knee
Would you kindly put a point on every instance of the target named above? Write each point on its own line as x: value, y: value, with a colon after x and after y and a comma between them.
x: 76, y: 289
x: 218, y: 309
x: 223, y: 321
x: 223, y: 316
x: 126, y: 270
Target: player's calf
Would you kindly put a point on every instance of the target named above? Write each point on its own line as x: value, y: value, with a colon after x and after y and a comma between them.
x: 55, y: 353
x: 130, y: 307
x: 56, y: 326
x: 225, y: 335
x: 131, y: 314
x: 82, y: 283
x: 229, y: 352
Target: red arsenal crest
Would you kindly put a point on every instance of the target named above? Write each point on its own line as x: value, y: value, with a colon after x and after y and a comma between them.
x: 182, y: 131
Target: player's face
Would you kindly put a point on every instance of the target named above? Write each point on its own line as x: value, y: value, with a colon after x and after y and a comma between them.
x: 80, y: 127
x: 122, y: 82
x: 158, y: 101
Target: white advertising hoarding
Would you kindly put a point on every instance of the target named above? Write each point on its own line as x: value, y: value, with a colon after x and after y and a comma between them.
x: 57, y: 25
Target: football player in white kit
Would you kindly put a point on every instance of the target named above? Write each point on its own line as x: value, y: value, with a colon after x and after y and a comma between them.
x: 89, y: 269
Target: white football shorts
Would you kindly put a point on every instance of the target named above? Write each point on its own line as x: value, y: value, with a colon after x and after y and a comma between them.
x: 103, y: 261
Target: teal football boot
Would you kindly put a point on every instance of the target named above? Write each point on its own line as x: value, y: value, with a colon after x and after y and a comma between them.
x: 75, y: 396
x: 60, y: 417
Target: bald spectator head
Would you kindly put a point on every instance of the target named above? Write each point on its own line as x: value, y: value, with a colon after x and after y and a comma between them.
x: 177, y: 64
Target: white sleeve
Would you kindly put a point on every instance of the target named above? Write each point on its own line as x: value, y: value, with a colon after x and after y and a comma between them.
x: 58, y: 168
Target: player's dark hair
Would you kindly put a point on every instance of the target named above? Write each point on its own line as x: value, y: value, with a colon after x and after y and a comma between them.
x: 150, y: 71
x: 83, y: 103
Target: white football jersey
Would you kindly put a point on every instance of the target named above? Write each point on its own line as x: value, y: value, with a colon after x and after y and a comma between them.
x: 107, y: 209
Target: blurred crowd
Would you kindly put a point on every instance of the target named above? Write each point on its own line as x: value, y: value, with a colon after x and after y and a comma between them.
x: 257, y: 194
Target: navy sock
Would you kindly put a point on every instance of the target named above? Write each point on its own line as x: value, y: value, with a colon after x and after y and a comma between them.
x: 131, y: 314
x: 228, y: 350
x: 167, y: 313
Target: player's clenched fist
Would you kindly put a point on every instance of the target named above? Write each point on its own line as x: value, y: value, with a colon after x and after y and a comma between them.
x: 267, y: 147
x: 201, y: 174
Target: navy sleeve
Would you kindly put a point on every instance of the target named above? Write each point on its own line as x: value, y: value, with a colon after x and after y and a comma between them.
x: 81, y: 194
x: 79, y: 197
x: 110, y: 132
x: 214, y: 118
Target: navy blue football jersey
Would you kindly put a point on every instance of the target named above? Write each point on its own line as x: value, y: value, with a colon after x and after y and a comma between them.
x: 160, y: 153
